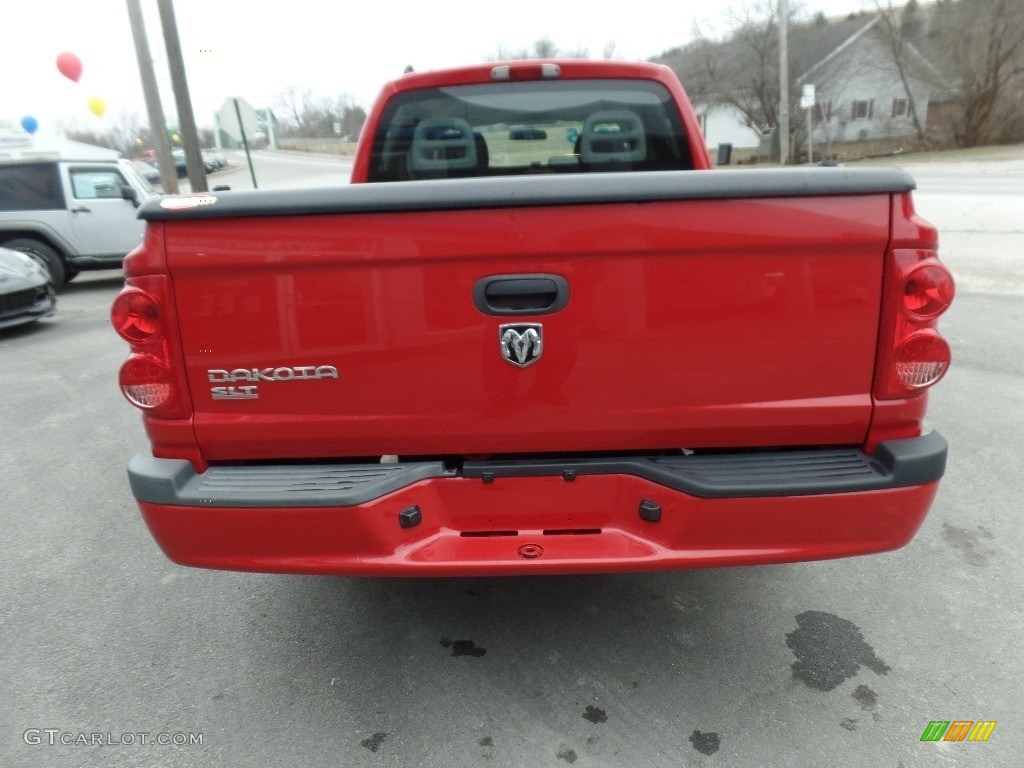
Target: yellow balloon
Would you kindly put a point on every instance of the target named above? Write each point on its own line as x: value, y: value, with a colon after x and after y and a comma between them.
x: 97, y: 106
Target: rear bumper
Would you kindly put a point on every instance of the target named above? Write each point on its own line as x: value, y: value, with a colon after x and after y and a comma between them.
x: 541, y: 517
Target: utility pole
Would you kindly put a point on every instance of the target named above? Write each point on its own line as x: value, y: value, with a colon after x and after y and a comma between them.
x: 783, y: 82
x: 186, y: 120
x: 810, y: 136
x: 157, y: 124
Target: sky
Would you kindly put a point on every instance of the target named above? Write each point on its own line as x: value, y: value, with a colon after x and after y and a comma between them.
x: 255, y: 49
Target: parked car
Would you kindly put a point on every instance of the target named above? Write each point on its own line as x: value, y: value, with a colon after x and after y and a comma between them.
x: 71, y: 215
x: 180, y: 166
x: 214, y: 161
x: 148, y: 171
x: 26, y: 292
x: 210, y: 163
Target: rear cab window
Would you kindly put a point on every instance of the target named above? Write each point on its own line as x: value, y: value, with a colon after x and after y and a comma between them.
x: 533, y: 127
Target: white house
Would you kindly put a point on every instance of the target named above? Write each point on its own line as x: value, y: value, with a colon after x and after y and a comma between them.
x: 860, y: 94
x: 725, y: 124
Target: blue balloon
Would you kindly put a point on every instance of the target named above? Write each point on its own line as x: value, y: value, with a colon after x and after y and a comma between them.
x: 30, y: 124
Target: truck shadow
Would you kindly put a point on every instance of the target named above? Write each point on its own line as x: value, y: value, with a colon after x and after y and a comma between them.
x: 38, y: 328
x: 89, y: 283
x: 500, y: 656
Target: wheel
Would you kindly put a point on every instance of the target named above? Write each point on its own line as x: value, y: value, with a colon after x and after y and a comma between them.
x: 45, y: 255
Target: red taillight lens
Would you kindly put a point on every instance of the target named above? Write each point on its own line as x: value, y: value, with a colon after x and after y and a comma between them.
x: 136, y: 316
x: 146, y: 382
x: 912, y: 354
x: 921, y: 360
x: 928, y: 291
x: 143, y: 315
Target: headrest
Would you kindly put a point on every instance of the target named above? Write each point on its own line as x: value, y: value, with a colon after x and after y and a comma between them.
x: 442, y: 144
x: 613, y: 136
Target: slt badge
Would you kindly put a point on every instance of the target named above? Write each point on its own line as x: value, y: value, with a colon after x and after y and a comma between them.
x: 521, y: 343
x: 250, y: 391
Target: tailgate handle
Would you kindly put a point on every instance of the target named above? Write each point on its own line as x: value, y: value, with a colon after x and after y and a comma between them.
x: 521, y: 294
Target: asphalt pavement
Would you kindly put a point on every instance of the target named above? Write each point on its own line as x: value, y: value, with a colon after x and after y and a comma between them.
x: 839, y: 663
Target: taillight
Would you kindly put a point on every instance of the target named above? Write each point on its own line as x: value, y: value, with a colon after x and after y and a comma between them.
x: 136, y: 316
x: 146, y: 382
x: 142, y: 315
x: 912, y: 354
x: 922, y: 360
x: 927, y: 291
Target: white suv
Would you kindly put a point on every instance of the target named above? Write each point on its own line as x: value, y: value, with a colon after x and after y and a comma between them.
x: 71, y: 216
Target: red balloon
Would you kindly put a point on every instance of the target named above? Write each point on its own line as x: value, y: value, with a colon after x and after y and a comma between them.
x: 70, y: 66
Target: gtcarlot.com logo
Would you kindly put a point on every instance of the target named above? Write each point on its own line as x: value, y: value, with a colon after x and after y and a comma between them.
x: 56, y: 737
x: 958, y: 730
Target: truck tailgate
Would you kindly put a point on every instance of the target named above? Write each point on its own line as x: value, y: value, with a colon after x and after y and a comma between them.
x: 689, y: 323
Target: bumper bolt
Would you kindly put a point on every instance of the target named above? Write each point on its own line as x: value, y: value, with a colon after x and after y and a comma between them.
x: 410, y: 517
x: 531, y: 551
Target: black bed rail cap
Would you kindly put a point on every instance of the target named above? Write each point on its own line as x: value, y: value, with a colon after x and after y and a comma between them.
x: 531, y: 191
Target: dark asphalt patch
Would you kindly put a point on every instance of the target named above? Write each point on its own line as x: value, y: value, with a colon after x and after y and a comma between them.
x: 463, y: 647
x: 866, y: 697
x: 373, y: 743
x: 486, y: 741
x: 595, y: 715
x: 705, y: 743
x: 569, y: 755
x: 829, y: 650
x: 850, y: 723
x: 969, y: 543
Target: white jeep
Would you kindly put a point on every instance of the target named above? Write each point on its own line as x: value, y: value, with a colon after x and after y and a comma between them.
x: 71, y: 215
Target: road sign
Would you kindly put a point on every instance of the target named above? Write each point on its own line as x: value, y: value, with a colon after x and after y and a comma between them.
x: 807, y: 99
x: 238, y: 119
x: 228, y: 117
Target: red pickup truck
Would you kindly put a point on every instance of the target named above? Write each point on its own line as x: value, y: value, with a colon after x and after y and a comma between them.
x: 536, y: 334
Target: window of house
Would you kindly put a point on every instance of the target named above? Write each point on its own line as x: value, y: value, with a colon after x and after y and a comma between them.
x: 862, y: 110
x: 899, y: 107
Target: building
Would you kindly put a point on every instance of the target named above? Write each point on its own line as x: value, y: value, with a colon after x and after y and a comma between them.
x: 859, y: 90
x: 15, y: 144
x: 861, y: 94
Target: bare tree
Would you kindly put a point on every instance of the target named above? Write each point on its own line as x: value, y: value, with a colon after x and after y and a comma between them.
x: 124, y: 132
x: 509, y: 54
x: 315, y: 117
x: 349, y: 115
x: 743, y: 71
x: 545, y: 48
x: 898, y: 28
x: 982, y: 47
x: 300, y: 107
